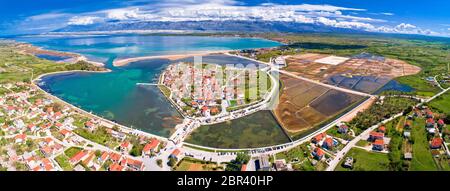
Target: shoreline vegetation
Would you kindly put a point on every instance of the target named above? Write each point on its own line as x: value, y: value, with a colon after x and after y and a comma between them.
x: 290, y: 41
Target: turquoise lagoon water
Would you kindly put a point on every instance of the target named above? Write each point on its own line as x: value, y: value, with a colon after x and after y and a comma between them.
x: 115, y: 95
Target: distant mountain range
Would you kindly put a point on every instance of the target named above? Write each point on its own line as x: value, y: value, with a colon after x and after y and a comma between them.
x: 207, y: 26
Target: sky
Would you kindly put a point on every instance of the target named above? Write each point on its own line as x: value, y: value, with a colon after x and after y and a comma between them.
x: 431, y: 17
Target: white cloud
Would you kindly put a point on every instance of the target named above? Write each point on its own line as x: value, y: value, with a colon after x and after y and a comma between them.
x: 405, y: 28
x: 222, y: 10
x: 47, y: 16
x: 123, y: 14
x: 388, y: 14
x: 82, y: 20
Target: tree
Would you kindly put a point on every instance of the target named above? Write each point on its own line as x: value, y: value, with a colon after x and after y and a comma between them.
x: 242, y: 158
x: 236, y: 164
x: 172, y: 162
x: 159, y: 162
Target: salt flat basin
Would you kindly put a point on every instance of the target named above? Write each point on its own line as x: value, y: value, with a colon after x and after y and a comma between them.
x: 255, y: 130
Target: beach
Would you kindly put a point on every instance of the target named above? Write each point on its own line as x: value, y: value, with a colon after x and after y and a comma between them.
x: 126, y: 61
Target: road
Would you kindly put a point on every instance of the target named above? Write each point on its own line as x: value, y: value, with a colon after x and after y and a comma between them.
x: 351, y: 144
x: 332, y: 164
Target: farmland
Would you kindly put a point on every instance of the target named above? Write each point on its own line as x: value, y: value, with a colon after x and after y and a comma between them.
x: 366, y: 161
x: 428, y: 53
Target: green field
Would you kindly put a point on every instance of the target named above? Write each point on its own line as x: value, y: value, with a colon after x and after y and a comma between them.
x: 442, y: 103
x: 63, y: 162
x: 99, y: 135
x: 429, y: 53
x: 72, y: 151
x: 422, y: 158
x: 366, y: 161
x: 20, y: 67
x: 191, y: 164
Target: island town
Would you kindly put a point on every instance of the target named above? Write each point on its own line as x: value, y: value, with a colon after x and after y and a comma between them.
x: 41, y: 132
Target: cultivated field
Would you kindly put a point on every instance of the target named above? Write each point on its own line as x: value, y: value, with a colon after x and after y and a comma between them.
x: 365, y: 75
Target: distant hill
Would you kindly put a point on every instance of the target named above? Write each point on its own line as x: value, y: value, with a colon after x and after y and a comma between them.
x: 226, y: 26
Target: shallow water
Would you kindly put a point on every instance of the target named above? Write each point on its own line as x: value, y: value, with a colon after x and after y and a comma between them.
x: 115, y: 95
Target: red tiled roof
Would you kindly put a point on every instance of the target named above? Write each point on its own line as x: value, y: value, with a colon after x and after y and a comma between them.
x: 318, y: 151
x: 46, y: 150
x: 64, y: 132
x: 125, y: 144
x: 379, y: 142
x: 115, y: 156
x: 47, y: 164
x: 329, y: 141
x: 104, y: 156
x: 430, y: 120
x: 320, y: 136
x: 152, y: 145
x: 441, y: 122
x: 376, y: 134
x: 115, y: 167
x: 244, y: 167
x: 176, y: 152
x: 382, y: 128
x: 436, y: 142
x: 21, y: 136
x: 214, y: 110
x: 77, y: 157
x: 135, y: 163
x: 48, y: 140
x: 88, y: 124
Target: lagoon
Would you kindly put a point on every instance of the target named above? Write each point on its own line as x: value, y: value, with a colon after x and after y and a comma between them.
x: 115, y: 95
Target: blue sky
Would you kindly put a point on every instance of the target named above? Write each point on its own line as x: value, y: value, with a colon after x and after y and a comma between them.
x: 430, y: 17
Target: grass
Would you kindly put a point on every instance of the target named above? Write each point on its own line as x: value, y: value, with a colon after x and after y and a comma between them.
x: 366, y: 161
x: 164, y: 90
x: 334, y: 132
x: 99, y: 135
x: 362, y: 143
x: 417, y: 82
x: 422, y: 158
x: 186, y: 163
x: 296, y: 153
x: 21, y: 68
x: 442, y: 103
x: 63, y: 162
x: 72, y: 151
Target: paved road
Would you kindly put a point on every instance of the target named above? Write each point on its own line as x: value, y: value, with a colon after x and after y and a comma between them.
x: 323, y: 84
x: 333, y: 163
x: 351, y: 144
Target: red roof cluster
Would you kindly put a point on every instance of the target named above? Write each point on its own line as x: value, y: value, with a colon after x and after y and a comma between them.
x: 152, y: 145
x: 320, y: 136
x: 379, y: 142
x: 436, y: 142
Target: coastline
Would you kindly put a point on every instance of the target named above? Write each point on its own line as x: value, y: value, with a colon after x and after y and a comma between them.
x: 123, y: 127
x: 126, y: 61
